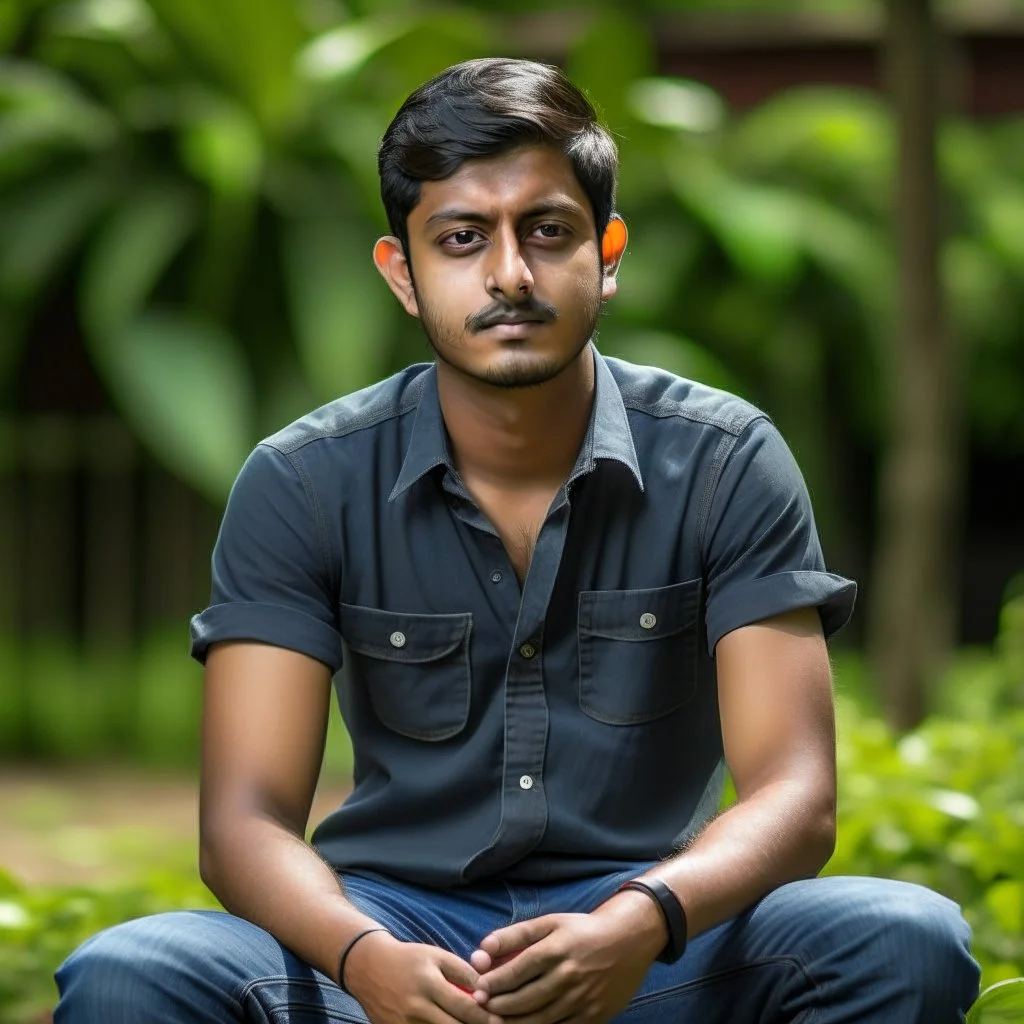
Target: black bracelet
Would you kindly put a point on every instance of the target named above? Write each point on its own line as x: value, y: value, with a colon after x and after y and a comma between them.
x: 671, y: 909
x: 344, y: 956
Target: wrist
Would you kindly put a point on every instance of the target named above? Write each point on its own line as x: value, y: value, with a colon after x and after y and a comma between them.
x: 672, y: 912
x: 638, y: 919
x: 350, y: 960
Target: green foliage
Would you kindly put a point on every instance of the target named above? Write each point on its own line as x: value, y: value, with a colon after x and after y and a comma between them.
x: 942, y: 806
x: 207, y: 177
x: 40, y: 926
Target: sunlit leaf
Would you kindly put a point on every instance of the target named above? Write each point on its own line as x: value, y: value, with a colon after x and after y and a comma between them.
x: 1006, y: 902
x: 828, y: 135
x: 677, y: 103
x: 999, y: 1004
x: 183, y: 384
x: 134, y: 247
x: 342, y: 310
x: 339, y: 53
x: 222, y: 146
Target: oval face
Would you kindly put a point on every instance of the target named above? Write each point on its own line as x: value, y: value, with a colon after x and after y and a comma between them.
x: 507, y: 267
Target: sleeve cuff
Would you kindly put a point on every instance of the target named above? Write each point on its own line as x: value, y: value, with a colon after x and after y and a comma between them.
x: 748, y: 601
x: 268, y: 624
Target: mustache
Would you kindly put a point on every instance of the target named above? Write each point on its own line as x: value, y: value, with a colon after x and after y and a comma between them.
x: 503, y: 313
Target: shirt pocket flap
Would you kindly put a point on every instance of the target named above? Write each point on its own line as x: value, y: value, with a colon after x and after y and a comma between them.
x: 403, y: 636
x: 637, y: 615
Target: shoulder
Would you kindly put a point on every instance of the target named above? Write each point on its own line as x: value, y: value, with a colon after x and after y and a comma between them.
x: 372, y: 407
x: 662, y: 395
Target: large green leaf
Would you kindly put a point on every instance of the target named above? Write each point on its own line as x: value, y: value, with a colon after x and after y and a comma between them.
x: 250, y: 46
x: 45, y: 112
x: 999, y: 1004
x: 343, y: 311
x: 184, y: 385
x: 757, y: 225
x: 135, y: 246
x: 42, y: 222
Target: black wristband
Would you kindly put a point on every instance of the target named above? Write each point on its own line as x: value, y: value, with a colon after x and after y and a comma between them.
x: 672, y: 911
x: 345, y: 952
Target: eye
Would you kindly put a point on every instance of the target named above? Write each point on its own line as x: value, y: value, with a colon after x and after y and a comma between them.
x: 551, y: 230
x: 462, y: 238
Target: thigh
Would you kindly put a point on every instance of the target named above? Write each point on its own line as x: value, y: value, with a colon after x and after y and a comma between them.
x: 823, y: 949
x: 194, y: 967
x: 201, y: 967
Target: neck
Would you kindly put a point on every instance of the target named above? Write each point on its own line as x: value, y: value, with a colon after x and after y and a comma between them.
x: 518, y: 437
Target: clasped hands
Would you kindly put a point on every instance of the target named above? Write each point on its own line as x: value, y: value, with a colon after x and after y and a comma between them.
x: 582, y: 968
x: 571, y: 968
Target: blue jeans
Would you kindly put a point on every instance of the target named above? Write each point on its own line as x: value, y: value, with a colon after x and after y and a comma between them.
x: 826, y: 950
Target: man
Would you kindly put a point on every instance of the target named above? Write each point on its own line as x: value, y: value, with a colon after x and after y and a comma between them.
x: 568, y: 592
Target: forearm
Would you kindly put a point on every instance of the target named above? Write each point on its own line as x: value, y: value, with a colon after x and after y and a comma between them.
x: 265, y: 873
x: 781, y: 832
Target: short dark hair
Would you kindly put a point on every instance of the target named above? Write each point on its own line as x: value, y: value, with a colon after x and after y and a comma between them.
x: 482, y: 108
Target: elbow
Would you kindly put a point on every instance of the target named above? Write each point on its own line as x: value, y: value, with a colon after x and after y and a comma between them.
x: 821, y: 836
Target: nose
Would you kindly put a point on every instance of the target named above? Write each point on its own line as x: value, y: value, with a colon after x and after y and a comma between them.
x: 509, y: 276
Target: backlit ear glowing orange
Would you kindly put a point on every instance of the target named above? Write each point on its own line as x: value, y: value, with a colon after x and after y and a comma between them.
x: 381, y: 251
x: 613, y: 245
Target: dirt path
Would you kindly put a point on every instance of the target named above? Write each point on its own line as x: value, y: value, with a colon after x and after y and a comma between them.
x: 76, y: 826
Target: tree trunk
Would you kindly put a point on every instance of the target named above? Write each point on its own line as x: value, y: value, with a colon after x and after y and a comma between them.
x: 912, y: 613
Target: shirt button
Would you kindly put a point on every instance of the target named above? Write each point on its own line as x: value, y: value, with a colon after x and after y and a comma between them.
x: 527, y: 651
x: 648, y: 621
x: 496, y: 576
x: 525, y: 782
x: 397, y: 639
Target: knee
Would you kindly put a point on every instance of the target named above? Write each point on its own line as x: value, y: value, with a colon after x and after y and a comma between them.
x: 923, y: 938
x: 111, y: 978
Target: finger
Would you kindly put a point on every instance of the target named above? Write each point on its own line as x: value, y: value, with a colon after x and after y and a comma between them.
x: 564, y: 1010
x: 457, y: 972
x: 459, y: 1003
x: 518, y: 936
x: 481, y: 960
x: 519, y: 970
x: 531, y: 997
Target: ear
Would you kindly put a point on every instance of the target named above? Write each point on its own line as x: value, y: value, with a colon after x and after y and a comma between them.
x: 389, y: 258
x: 613, y: 246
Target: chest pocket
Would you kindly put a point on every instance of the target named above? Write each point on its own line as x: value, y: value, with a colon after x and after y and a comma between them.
x: 415, y: 668
x: 638, y: 651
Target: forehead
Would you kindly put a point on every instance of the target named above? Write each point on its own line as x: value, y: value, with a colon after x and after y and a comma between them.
x: 503, y: 185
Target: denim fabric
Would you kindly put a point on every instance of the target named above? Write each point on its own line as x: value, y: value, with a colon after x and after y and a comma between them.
x: 561, y: 729
x: 823, y: 951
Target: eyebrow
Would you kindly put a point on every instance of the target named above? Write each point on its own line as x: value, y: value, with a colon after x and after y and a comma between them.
x: 556, y: 204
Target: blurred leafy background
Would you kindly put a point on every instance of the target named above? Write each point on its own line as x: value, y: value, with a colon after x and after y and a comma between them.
x: 188, y: 199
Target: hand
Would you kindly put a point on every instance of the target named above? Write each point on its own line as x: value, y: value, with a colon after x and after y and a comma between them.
x: 409, y: 983
x: 583, y: 968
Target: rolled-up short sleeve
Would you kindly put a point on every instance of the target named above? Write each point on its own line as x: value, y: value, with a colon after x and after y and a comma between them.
x: 271, y: 568
x: 761, y: 546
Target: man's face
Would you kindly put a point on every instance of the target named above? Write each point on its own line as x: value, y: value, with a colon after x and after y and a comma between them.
x: 508, y: 280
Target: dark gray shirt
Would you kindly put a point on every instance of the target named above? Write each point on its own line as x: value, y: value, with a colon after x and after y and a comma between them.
x: 561, y: 729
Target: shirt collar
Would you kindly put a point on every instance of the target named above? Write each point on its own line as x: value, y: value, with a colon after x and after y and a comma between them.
x: 608, y: 435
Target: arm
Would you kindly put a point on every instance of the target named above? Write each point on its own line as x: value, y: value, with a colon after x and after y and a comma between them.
x: 775, y: 697
x: 770, y: 605
x: 264, y: 725
x: 270, y: 643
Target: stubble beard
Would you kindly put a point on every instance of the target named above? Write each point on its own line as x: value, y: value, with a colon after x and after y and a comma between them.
x: 514, y: 373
